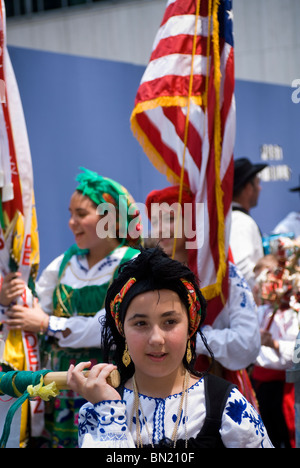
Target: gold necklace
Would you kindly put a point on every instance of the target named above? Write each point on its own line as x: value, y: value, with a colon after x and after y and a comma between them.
x: 137, y: 405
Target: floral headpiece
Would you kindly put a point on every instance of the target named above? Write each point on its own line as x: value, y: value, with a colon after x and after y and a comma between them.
x: 280, y: 285
x: 194, y: 310
x: 194, y: 307
x: 116, y: 304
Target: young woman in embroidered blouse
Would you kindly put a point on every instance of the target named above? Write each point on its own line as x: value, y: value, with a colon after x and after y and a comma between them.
x: 154, y: 309
x: 231, y: 329
x: 73, y: 287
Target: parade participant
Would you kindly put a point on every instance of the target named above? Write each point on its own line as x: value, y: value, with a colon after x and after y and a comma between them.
x: 245, y: 237
x: 73, y: 287
x: 277, y: 281
x: 154, y: 310
x: 234, y: 334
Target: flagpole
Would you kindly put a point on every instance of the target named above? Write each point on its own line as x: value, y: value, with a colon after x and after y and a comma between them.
x: 60, y: 379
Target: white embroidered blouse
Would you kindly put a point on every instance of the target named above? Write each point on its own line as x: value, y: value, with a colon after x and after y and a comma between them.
x: 234, y: 337
x: 112, y: 424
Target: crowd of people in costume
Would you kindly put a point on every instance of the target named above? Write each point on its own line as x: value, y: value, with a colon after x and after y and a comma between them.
x: 112, y: 301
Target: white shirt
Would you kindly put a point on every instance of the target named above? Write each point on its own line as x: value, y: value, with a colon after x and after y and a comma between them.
x: 245, y: 243
x: 234, y: 337
x: 111, y: 424
x: 291, y: 223
x: 284, y: 329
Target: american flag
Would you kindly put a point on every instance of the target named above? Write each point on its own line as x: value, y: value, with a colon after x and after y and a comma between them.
x: 184, y: 118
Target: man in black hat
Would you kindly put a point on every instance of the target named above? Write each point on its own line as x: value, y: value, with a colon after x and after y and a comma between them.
x: 245, y: 236
x: 291, y: 223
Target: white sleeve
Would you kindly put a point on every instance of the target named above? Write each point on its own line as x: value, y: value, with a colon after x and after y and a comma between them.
x: 46, y: 284
x: 278, y: 360
x: 246, y: 245
x: 284, y: 329
x: 234, y: 336
x: 104, y: 425
x: 83, y: 330
x: 286, y: 353
x: 242, y: 426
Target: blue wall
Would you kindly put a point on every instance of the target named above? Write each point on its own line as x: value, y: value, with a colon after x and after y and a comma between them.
x: 267, y: 115
x: 77, y: 112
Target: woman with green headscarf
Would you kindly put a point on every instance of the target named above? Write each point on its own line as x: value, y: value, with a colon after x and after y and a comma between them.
x: 107, y: 227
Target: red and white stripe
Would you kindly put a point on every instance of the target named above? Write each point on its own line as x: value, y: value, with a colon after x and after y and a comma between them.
x: 159, y: 119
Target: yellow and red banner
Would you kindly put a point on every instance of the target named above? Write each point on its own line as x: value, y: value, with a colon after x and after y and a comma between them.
x: 19, y: 241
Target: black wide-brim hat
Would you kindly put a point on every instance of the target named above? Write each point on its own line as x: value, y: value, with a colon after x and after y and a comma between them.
x: 244, y: 170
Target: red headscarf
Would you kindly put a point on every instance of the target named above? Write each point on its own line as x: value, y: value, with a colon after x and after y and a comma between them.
x: 168, y: 195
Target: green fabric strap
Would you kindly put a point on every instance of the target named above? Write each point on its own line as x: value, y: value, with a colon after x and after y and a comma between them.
x: 2, y: 223
x: 73, y: 250
x: 129, y: 254
x: 14, y: 384
x: 88, y: 300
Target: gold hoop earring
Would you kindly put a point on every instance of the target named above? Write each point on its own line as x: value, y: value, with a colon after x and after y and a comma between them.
x: 188, y: 352
x: 126, y: 359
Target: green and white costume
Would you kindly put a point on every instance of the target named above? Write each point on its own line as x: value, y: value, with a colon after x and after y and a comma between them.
x: 73, y: 295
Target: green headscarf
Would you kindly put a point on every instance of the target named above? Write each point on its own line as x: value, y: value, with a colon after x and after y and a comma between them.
x: 104, y: 190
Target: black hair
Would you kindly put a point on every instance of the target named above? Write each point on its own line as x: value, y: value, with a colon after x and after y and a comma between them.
x: 249, y: 180
x: 153, y: 270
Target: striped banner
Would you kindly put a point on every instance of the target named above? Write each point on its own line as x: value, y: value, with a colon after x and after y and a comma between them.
x: 19, y: 242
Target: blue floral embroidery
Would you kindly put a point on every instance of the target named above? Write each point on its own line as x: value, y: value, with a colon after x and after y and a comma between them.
x: 91, y: 421
x: 258, y: 423
x: 234, y: 273
x: 241, y: 283
x: 236, y: 410
x: 174, y: 417
x: 141, y: 419
x: 182, y: 418
x: 244, y: 300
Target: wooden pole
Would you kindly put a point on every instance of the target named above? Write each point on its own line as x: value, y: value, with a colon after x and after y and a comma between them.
x: 60, y: 378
